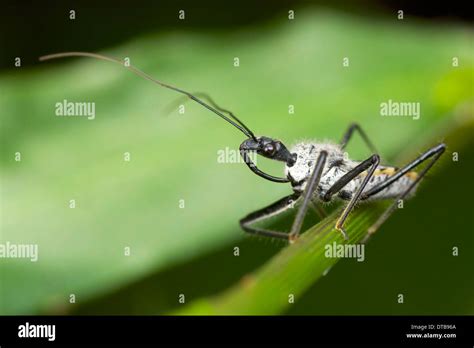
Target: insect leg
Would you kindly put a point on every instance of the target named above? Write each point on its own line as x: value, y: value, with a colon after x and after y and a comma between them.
x: 311, y: 186
x: 348, y: 135
x: 369, y: 164
x: 274, y: 209
x: 433, y: 153
x: 436, y: 150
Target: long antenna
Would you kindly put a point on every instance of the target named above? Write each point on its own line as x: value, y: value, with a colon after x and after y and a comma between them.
x: 203, y: 96
x: 233, y: 120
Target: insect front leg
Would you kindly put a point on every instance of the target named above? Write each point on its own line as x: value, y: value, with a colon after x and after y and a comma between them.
x: 284, y: 204
x: 272, y: 210
x: 311, y: 186
x: 369, y: 164
x: 434, y: 153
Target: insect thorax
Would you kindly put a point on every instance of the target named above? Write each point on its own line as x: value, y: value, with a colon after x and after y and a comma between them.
x: 337, y: 164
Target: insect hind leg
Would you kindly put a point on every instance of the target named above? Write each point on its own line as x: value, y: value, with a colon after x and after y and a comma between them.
x: 434, y: 154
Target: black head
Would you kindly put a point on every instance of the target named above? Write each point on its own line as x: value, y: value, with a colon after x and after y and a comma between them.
x: 269, y: 148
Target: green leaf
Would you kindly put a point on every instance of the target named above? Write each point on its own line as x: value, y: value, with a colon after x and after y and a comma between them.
x: 136, y: 204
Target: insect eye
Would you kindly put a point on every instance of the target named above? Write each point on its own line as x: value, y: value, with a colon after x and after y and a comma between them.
x: 269, y: 149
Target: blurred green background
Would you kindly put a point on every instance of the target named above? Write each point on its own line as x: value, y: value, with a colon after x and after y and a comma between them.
x: 136, y: 204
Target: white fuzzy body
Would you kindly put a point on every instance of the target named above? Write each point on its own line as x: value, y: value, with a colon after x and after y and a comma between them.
x: 337, y: 164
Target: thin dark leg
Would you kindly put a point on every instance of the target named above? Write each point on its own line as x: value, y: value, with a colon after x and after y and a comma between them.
x: 284, y: 204
x: 274, y: 209
x: 401, y: 172
x: 348, y: 135
x: 311, y: 186
x: 435, y: 153
x: 369, y: 164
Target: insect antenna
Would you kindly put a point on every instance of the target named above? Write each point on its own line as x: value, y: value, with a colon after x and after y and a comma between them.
x: 209, y: 100
x: 232, y: 119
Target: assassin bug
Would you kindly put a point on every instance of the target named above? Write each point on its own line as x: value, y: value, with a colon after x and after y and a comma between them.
x: 317, y: 172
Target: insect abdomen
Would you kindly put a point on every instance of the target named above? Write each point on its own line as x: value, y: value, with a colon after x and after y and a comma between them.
x: 382, y: 174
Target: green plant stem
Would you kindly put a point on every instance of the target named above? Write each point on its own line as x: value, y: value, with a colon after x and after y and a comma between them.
x: 290, y: 273
x: 268, y: 290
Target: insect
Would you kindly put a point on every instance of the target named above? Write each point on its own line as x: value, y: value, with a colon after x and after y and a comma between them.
x: 316, y: 171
